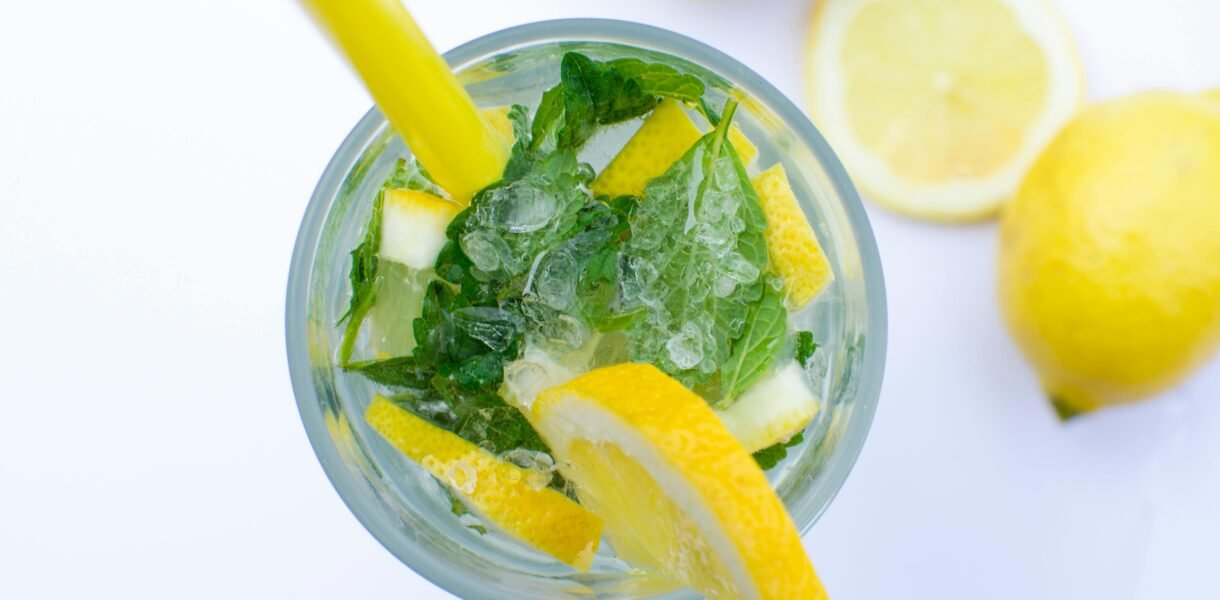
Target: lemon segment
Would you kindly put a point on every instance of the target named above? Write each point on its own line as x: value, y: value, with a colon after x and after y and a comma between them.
x: 793, y: 246
x: 666, y: 134
x: 938, y: 107
x: 503, y: 493
x: 679, y: 495
x: 664, y: 137
x: 1109, y: 263
x: 413, y: 227
x: 772, y: 410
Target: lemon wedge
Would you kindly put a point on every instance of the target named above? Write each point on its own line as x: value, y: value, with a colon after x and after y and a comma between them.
x: 939, y: 107
x: 413, y: 227
x: 501, y: 492
x: 791, y: 242
x: 772, y: 410
x: 679, y: 495
x: 665, y: 136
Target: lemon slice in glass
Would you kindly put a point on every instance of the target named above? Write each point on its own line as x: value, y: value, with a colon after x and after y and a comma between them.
x: 498, y: 491
x: 678, y: 494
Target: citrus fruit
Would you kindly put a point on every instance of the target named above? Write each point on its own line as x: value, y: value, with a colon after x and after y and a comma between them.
x: 678, y: 494
x: 793, y: 246
x: 499, y: 491
x: 667, y: 133
x: 1110, y: 254
x: 938, y: 107
x: 413, y: 227
x: 772, y: 410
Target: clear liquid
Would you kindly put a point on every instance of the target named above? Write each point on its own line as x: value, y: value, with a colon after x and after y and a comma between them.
x: 519, y: 78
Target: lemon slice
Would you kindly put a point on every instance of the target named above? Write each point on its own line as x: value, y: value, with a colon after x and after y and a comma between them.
x: 501, y: 492
x: 939, y: 107
x: 772, y: 410
x: 791, y: 242
x: 679, y: 495
x: 665, y: 136
x: 413, y: 227
x: 1213, y: 95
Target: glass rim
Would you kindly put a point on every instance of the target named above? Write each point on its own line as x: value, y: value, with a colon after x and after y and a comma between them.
x: 649, y: 37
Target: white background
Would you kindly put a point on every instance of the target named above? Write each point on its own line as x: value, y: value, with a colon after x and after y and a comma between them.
x: 155, y: 160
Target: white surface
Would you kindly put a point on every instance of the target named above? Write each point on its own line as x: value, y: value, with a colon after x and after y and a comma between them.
x: 155, y: 160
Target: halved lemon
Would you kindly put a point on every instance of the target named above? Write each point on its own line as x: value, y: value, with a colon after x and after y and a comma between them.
x: 939, y: 107
x: 678, y: 494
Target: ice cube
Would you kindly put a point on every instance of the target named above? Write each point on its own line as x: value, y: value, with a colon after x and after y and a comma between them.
x: 555, y: 279
x: 436, y: 410
x: 715, y: 236
x: 520, y: 208
x: 539, y: 466
x: 724, y: 286
x: 686, y: 347
x: 737, y: 267
x: 716, y: 206
x: 495, y: 327
x: 485, y: 249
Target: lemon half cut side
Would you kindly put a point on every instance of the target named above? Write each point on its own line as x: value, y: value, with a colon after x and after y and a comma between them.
x: 938, y: 107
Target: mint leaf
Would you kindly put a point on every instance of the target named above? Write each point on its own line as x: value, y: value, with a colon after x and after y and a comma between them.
x: 757, y: 347
x: 550, y: 111
x: 660, y: 79
x: 411, y: 175
x: 805, y: 348
x: 364, y: 281
x: 770, y: 456
x: 595, y: 93
x: 400, y: 371
x: 694, y: 261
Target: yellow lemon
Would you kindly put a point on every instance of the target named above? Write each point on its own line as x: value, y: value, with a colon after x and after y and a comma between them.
x: 679, y: 495
x: 665, y: 136
x: 413, y: 227
x: 938, y: 107
x: 772, y: 410
x: 793, y: 247
x: 513, y: 498
x: 1110, y: 254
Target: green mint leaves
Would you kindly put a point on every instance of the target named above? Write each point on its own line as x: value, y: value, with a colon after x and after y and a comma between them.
x: 805, y: 348
x: 593, y: 93
x: 694, y: 262
x: 410, y: 175
x: 770, y: 456
x: 758, y: 345
x: 364, y: 281
x: 535, y: 260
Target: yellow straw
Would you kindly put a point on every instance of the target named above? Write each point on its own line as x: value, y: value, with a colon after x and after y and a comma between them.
x: 416, y: 91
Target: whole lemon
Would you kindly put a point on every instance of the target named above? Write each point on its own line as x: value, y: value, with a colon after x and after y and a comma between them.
x: 1110, y: 253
